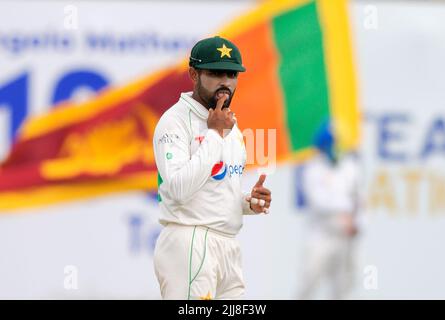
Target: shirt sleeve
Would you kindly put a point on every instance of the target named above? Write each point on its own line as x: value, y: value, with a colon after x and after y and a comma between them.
x: 183, y: 173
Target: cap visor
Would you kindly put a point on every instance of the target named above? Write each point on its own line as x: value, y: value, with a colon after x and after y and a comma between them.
x: 221, y: 66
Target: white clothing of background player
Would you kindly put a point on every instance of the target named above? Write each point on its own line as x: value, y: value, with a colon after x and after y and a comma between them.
x: 332, y: 192
x: 200, y: 156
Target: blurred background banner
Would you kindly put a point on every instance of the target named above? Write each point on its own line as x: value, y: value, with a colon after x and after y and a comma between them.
x: 299, y: 59
x: 82, y: 85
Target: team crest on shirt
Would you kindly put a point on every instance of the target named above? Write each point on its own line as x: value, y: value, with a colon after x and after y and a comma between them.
x: 219, y: 171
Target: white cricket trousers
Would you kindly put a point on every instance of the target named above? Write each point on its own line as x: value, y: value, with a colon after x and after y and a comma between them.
x: 195, y: 262
x: 329, y: 258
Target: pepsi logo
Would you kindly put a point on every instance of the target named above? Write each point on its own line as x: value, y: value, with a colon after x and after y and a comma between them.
x: 219, y: 171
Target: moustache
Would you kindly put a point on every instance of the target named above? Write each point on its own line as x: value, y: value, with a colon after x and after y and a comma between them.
x: 223, y: 91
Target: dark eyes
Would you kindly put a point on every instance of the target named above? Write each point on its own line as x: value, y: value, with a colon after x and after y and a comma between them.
x: 232, y: 74
x: 217, y: 73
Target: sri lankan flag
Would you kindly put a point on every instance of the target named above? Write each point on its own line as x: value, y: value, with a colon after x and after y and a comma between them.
x: 299, y: 73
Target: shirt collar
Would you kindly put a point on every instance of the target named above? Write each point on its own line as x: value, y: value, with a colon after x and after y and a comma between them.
x: 195, y: 106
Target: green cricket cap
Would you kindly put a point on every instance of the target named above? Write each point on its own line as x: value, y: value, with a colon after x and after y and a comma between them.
x: 216, y: 54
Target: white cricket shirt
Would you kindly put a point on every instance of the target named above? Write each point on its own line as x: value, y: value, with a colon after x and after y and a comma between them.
x: 200, y: 172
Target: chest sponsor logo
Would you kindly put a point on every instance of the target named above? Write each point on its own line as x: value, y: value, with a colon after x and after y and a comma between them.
x: 219, y: 171
x: 236, y: 169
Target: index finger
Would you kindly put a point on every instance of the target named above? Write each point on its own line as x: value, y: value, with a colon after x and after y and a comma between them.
x: 220, y: 102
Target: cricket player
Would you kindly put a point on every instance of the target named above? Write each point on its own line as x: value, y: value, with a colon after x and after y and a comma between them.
x: 331, y: 188
x: 200, y: 156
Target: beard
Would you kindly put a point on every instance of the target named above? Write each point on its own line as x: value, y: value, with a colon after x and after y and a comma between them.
x: 210, y: 98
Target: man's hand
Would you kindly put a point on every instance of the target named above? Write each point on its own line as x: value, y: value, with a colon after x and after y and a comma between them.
x: 221, y: 120
x: 348, y: 224
x: 260, y: 197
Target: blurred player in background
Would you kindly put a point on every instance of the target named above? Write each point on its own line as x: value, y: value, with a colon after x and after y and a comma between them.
x: 331, y: 189
x: 200, y: 155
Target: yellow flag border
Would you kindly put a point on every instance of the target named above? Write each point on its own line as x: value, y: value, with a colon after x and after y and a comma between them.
x: 43, y: 196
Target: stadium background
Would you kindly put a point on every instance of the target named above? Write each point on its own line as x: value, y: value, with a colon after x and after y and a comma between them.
x: 106, y: 242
